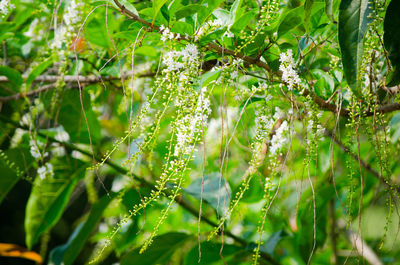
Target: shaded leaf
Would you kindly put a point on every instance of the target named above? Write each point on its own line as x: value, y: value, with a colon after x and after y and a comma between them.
x: 392, y: 41
x: 157, y: 4
x: 14, y: 77
x: 48, y: 199
x: 158, y: 252
x: 308, y: 5
x: 67, y: 253
x: 216, y: 191
x: 273, y: 241
x: 210, y: 253
x: 38, y: 70
x: 353, y: 24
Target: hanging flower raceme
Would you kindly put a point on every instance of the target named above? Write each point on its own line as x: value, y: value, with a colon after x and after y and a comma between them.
x: 287, y: 66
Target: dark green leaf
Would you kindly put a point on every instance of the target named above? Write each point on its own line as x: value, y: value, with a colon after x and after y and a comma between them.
x: 48, y: 199
x: 291, y: 20
x: 12, y: 164
x: 72, y: 119
x: 210, y: 253
x: 392, y: 41
x: 67, y: 253
x: 353, y: 23
x: 159, y: 251
x: 307, y: 14
x: 306, y: 222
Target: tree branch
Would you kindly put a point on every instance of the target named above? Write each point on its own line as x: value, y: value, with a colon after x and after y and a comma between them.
x: 90, y: 79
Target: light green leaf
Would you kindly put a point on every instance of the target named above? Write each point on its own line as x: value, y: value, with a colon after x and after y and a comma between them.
x: 38, y: 70
x: 188, y: 10
x: 14, y: 77
x: 290, y: 20
x: 392, y: 41
x: 67, y: 253
x: 353, y: 24
x: 48, y: 199
x: 157, y: 4
x: 242, y: 22
x: 159, y: 252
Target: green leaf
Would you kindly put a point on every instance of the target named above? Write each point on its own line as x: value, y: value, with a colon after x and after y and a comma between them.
x: 182, y: 28
x: 353, y: 24
x: 216, y: 191
x: 67, y: 253
x: 306, y: 222
x: 308, y: 5
x: 290, y: 20
x: 14, y: 77
x: 235, y: 10
x: 38, y: 70
x: 188, y: 11
x: 129, y: 6
x: 329, y: 9
x: 72, y: 119
x: 325, y: 84
x: 217, y: 34
x: 11, y: 167
x: 243, y: 21
x: 273, y: 241
x: 5, y: 30
x: 159, y: 251
x: 48, y: 199
x: 392, y: 41
x: 204, y: 14
x: 157, y: 4
x: 210, y: 253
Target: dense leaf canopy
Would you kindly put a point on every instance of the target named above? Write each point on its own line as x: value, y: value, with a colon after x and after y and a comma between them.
x: 199, y: 132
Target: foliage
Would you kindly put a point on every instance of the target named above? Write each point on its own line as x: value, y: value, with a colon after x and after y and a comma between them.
x: 199, y: 131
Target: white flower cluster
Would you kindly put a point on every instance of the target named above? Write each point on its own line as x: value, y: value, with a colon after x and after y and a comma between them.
x: 35, y: 149
x: 5, y: 7
x: 166, y: 34
x: 189, y: 126
x: 213, y: 25
x: 35, y: 31
x: 45, y: 171
x: 287, y: 66
x: 177, y: 60
x: 314, y: 130
x: 279, y: 139
x: 63, y: 33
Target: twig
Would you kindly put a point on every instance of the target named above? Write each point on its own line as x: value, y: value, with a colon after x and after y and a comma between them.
x: 91, y: 79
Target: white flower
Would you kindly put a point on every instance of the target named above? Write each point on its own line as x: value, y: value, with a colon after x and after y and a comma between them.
x: 62, y: 136
x: 287, y: 66
x: 26, y: 120
x: 45, y: 171
x: 5, y: 7
x: 279, y: 140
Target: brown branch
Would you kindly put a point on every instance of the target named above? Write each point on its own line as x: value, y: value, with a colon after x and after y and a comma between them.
x: 91, y: 79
